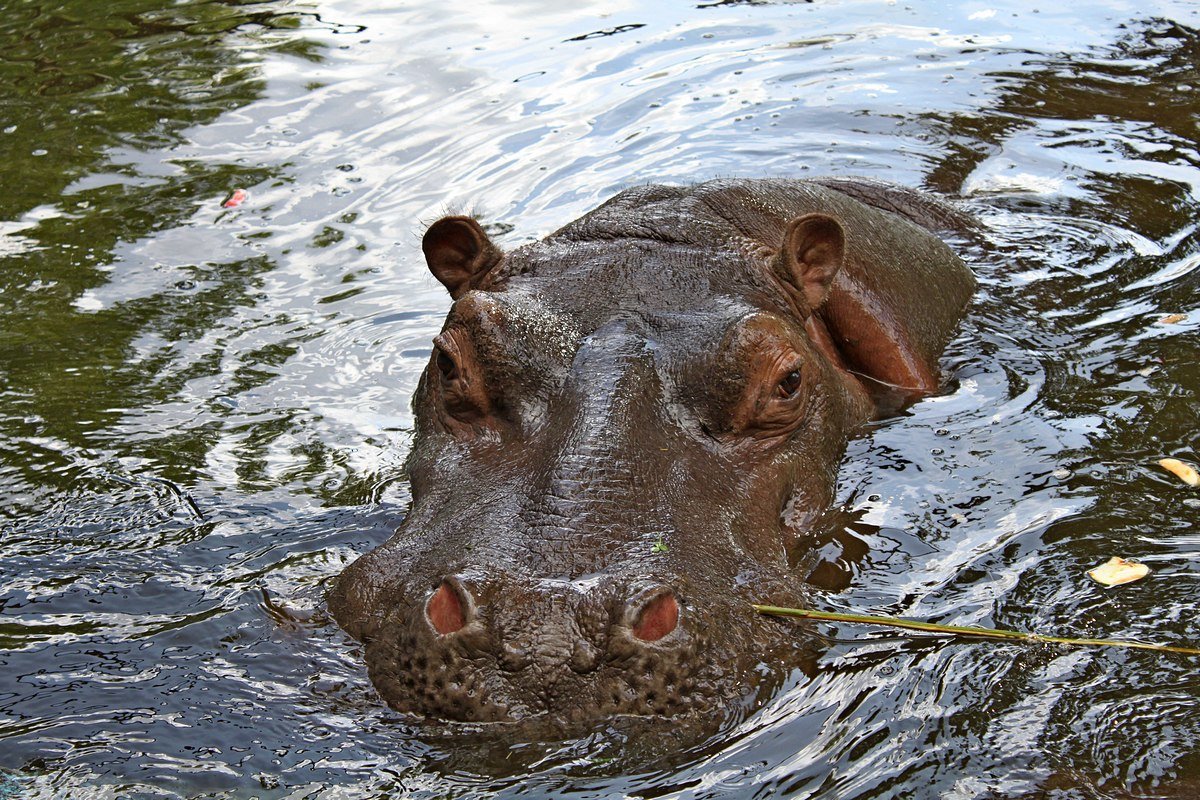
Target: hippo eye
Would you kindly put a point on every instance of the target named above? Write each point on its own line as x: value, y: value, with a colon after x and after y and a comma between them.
x: 446, y: 365
x: 446, y: 355
x: 790, y: 384
x: 462, y: 390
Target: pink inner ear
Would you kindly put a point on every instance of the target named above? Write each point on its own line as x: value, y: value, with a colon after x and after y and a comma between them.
x: 659, y: 617
x: 445, y: 610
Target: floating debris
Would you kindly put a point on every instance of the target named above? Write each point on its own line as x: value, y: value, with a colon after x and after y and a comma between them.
x: 235, y: 198
x: 1185, y: 472
x: 1117, y: 571
x: 964, y: 630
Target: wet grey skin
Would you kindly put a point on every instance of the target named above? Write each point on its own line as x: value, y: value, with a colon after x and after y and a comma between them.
x: 623, y: 430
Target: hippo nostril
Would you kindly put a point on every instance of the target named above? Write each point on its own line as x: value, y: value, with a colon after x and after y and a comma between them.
x: 657, y: 618
x: 445, y: 611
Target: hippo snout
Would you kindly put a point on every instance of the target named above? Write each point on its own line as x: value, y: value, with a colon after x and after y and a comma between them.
x: 475, y: 650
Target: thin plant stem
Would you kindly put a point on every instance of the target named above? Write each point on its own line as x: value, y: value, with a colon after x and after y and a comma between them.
x: 962, y: 630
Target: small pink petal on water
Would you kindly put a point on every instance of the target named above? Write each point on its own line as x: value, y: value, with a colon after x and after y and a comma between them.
x: 235, y: 198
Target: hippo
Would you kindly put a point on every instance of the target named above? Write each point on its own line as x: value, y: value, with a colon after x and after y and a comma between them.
x: 624, y: 432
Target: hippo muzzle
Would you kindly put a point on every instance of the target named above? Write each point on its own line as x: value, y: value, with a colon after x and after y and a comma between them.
x: 525, y: 649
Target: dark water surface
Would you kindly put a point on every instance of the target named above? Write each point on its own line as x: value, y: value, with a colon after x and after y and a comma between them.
x: 204, y: 412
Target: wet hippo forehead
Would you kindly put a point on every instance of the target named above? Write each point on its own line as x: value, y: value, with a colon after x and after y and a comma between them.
x: 589, y: 454
x: 541, y: 322
x: 596, y: 281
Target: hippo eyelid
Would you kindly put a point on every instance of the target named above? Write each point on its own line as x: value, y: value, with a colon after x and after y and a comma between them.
x: 790, y: 383
x: 446, y: 356
x: 445, y: 364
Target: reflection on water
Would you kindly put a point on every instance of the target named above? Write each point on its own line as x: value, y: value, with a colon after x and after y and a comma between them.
x: 204, y: 411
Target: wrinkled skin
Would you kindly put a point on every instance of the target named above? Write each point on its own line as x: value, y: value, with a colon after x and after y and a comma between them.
x: 621, y: 432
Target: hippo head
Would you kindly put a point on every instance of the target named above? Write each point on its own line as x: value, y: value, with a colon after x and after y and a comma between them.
x: 617, y: 441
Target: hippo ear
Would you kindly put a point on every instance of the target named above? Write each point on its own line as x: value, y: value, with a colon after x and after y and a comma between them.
x: 459, y: 253
x: 810, y: 256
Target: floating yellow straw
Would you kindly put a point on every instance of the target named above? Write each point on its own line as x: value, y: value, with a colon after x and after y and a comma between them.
x: 961, y: 630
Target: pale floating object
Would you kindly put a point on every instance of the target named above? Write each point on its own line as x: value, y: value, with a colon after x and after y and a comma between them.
x: 1117, y: 571
x: 1171, y: 319
x: 1185, y: 472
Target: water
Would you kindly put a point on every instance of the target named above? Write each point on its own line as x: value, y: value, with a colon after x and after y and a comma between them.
x: 204, y: 411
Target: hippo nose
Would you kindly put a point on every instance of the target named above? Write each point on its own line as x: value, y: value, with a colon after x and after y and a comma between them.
x: 584, y: 657
x: 653, y: 614
x: 449, y: 607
